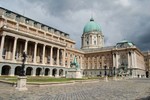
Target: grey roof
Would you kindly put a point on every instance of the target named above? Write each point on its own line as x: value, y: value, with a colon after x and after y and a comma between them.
x: 98, y: 49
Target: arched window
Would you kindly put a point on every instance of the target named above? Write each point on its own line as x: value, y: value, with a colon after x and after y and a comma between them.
x: 87, y: 42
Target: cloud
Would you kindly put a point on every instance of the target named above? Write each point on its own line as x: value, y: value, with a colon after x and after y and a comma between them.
x: 119, y: 19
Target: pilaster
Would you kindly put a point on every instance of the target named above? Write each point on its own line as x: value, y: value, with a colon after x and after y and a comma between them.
x: 64, y: 56
x: 50, y: 73
x: 12, y: 71
x: 34, y: 72
x: 132, y: 59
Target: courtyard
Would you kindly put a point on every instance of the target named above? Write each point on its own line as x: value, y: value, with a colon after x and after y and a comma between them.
x: 130, y: 89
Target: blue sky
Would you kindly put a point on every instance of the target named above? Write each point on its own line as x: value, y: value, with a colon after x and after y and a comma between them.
x: 119, y: 19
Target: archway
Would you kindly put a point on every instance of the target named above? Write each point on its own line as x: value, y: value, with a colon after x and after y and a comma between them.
x: 5, y: 70
x: 17, y: 70
x: 61, y: 72
x: 47, y: 71
x: 38, y: 71
x: 54, y: 72
x: 29, y: 71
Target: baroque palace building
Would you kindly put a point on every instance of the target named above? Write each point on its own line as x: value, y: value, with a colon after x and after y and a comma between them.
x: 51, y: 51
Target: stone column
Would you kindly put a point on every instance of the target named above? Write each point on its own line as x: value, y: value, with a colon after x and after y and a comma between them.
x: 88, y: 63
x: 81, y: 62
x: 96, y: 62
x: 12, y: 71
x: 129, y: 65
x: 9, y: 51
x: 57, y: 56
x: 64, y: 56
x: 114, y: 60
x: 51, y: 56
x: 43, y: 55
x: 35, y: 49
x: 2, y: 46
x: 93, y: 63
x: 117, y: 60
x: 68, y: 60
x: 14, y: 49
x: 132, y: 60
x: 135, y: 60
x: 26, y: 46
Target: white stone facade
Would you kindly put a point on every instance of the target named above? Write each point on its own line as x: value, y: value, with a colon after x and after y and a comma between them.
x: 50, y: 51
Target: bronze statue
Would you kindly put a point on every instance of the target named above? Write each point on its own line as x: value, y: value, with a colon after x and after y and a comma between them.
x: 22, y: 73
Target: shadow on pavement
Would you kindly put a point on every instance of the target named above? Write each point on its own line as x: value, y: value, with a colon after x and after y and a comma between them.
x: 146, y: 98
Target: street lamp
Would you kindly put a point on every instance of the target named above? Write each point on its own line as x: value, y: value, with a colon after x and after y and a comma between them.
x: 105, y: 70
x: 114, y: 71
x: 106, y: 79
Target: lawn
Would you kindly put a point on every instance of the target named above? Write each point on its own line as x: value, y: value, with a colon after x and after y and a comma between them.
x: 39, y: 79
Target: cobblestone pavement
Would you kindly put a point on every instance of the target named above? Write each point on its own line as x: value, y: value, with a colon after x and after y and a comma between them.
x: 133, y: 89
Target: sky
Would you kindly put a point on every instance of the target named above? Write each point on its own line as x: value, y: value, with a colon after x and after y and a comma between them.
x: 119, y: 19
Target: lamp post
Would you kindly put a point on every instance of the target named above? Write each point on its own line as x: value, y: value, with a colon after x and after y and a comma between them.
x: 114, y: 73
x: 106, y: 78
x: 105, y: 70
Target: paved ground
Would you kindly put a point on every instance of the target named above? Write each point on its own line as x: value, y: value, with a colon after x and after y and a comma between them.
x: 133, y: 89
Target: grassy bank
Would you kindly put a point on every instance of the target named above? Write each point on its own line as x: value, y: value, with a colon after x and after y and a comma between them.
x: 40, y: 79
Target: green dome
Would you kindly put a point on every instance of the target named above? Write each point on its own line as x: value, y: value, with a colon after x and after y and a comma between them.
x: 126, y: 42
x: 91, y: 26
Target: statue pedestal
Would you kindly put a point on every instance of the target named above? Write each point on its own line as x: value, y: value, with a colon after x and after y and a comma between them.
x: 21, y: 83
x: 74, y: 74
x: 78, y: 74
x: 115, y: 78
x: 106, y: 78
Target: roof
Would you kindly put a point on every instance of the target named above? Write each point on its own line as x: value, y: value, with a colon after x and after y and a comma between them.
x: 91, y: 26
x: 124, y: 42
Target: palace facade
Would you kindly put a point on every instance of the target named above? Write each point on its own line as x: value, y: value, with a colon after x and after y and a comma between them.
x: 51, y: 51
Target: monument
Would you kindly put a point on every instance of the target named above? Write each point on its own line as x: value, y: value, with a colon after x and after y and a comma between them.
x: 21, y: 83
x: 75, y: 72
